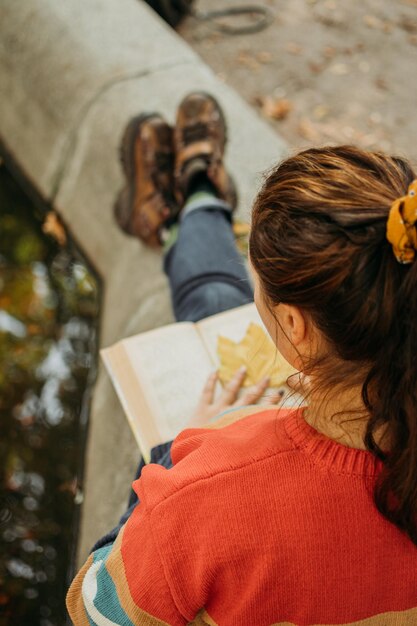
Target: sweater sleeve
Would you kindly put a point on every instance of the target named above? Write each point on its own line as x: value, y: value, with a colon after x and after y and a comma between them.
x: 105, y: 591
x: 157, y: 570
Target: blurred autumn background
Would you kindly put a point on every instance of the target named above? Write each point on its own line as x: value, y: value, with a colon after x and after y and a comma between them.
x: 48, y: 319
x: 325, y: 71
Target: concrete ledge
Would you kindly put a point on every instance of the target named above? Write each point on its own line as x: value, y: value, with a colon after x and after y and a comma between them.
x: 75, y: 72
x: 57, y: 57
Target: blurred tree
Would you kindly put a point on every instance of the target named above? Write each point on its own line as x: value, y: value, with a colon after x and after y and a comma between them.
x: 49, y: 306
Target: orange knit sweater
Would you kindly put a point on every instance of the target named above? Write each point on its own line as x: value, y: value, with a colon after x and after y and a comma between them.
x: 262, y: 522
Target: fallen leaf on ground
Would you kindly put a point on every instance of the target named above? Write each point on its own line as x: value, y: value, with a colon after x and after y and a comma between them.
x: 329, y: 52
x: 293, y: 48
x: 264, y: 57
x: 54, y: 227
x: 316, y: 68
x: 246, y: 59
x: 381, y: 83
x: 308, y: 130
x: 241, y: 228
x: 275, y: 108
x: 241, y: 232
x: 372, y: 21
x: 408, y: 24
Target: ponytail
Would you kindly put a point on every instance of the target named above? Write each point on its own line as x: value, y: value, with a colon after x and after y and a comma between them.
x: 390, y: 395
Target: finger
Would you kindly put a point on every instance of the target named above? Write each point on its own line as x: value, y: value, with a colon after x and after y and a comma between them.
x: 209, y: 387
x: 275, y: 397
x: 232, y: 388
x: 253, y: 395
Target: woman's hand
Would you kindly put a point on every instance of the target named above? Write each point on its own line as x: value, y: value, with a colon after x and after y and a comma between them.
x: 207, y: 408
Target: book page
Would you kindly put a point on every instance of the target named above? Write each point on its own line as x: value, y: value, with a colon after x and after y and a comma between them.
x: 172, y: 366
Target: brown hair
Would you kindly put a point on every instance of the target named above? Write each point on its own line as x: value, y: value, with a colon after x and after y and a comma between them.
x: 318, y: 241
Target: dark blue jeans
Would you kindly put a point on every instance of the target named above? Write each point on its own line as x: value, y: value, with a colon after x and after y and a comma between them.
x: 205, y: 271
x: 206, y: 276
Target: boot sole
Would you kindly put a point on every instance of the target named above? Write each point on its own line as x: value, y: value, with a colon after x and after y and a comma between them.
x: 216, y: 103
x: 123, y: 206
x: 233, y: 188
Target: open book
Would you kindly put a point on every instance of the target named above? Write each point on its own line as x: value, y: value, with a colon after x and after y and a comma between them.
x: 159, y: 374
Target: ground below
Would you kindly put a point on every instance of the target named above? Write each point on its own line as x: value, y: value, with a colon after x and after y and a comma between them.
x: 325, y: 71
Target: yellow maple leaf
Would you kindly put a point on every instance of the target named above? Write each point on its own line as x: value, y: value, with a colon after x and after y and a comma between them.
x: 257, y: 353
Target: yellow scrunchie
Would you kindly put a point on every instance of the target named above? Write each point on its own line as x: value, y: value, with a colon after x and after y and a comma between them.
x: 401, y: 225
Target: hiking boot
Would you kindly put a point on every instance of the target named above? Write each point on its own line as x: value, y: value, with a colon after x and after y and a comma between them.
x: 200, y: 139
x: 147, y: 202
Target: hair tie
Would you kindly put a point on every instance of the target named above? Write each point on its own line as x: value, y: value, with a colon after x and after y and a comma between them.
x: 401, y: 225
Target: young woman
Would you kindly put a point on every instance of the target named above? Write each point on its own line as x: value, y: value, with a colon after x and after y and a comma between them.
x: 279, y: 516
